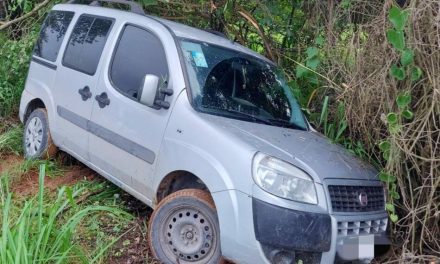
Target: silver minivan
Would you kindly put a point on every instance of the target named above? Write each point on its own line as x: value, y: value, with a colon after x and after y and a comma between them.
x: 203, y: 130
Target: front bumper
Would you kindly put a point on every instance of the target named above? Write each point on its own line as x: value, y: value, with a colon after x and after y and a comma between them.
x: 282, y: 227
x: 291, y: 229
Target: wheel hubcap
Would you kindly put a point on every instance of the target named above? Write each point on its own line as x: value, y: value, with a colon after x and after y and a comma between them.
x: 189, y: 235
x: 34, y: 136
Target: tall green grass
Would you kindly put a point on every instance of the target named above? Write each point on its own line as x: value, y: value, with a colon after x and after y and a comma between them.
x: 45, y: 229
x: 11, y: 140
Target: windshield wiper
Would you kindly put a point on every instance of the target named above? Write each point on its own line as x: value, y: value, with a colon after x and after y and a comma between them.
x: 285, y: 123
x: 267, y: 121
x: 254, y: 118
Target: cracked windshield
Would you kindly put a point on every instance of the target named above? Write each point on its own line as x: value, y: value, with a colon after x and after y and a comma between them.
x: 229, y: 83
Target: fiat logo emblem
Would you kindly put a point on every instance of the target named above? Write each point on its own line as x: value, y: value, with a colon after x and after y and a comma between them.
x: 363, y: 199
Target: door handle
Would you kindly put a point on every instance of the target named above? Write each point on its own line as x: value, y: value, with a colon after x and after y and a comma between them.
x: 85, y: 93
x: 103, y: 100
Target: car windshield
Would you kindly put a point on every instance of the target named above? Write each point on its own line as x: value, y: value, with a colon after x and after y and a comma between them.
x: 233, y: 84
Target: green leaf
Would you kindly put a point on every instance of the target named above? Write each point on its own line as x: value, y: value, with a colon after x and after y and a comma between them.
x: 312, y: 52
x: 394, y: 128
x: 386, y: 177
x: 416, y: 73
x: 407, y: 57
x: 398, y: 17
x: 395, y: 195
x: 69, y: 194
x: 392, y: 179
x: 324, y: 111
x: 319, y: 40
x: 396, y: 38
x: 403, y: 100
x: 397, y: 72
x: 386, y: 155
x: 313, y: 63
x: 394, y: 218
x: 408, y: 114
x: 385, y: 145
x: 228, y: 9
x: 383, y: 176
x: 301, y: 71
x: 390, y: 207
x: 392, y: 118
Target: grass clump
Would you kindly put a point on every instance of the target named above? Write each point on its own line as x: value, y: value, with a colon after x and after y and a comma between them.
x: 11, y: 140
x: 47, y: 229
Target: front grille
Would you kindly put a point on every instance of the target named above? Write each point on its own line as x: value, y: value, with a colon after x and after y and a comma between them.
x: 347, y: 228
x: 347, y: 198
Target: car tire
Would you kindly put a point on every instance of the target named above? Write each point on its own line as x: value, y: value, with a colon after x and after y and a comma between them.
x: 37, y: 141
x: 184, y: 229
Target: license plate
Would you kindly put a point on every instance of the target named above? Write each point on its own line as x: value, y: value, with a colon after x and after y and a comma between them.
x: 361, y: 247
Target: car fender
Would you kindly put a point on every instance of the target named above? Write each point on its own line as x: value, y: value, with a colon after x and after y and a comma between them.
x: 36, y: 89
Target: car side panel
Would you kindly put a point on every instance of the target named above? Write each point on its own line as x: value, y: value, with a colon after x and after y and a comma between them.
x: 192, y: 144
x: 38, y: 83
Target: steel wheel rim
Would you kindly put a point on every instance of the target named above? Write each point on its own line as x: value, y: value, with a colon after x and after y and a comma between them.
x: 34, y: 136
x: 188, y: 235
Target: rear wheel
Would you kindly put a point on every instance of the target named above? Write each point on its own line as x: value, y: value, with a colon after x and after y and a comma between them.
x: 184, y: 229
x: 37, y: 142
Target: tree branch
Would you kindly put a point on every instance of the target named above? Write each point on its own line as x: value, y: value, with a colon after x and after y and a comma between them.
x: 23, y: 17
x: 260, y: 31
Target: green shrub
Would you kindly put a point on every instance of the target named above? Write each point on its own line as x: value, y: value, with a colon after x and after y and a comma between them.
x: 14, y: 58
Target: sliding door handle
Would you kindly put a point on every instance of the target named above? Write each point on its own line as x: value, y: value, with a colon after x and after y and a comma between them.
x: 85, y: 93
x: 103, y: 100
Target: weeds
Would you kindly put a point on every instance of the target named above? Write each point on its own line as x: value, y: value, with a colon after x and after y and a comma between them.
x: 42, y: 230
x: 11, y: 141
x: 333, y: 130
x: 14, y: 57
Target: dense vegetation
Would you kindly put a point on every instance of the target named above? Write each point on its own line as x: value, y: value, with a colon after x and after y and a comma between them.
x: 365, y: 72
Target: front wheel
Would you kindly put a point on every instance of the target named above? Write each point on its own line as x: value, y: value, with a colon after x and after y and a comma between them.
x: 184, y: 229
x: 37, y: 142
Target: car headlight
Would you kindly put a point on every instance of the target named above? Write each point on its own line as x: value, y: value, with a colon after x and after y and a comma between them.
x: 283, y: 179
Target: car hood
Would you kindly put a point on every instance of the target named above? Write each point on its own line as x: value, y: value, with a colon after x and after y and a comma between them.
x: 308, y: 150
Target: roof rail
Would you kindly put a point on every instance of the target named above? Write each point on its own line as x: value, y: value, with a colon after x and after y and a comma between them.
x: 134, y: 7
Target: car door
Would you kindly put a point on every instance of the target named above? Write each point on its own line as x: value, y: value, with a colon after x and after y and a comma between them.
x: 126, y: 134
x: 76, y: 82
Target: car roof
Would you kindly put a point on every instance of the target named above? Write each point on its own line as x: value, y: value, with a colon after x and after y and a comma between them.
x: 178, y: 29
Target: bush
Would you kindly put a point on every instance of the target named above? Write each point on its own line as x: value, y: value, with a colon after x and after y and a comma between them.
x: 15, y: 58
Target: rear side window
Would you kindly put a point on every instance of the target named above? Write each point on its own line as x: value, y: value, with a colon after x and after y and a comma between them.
x: 52, y: 34
x: 86, y: 43
x: 138, y: 53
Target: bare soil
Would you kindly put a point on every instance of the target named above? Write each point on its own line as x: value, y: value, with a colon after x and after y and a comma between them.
x: 8, y: 162
x: 27, y: 185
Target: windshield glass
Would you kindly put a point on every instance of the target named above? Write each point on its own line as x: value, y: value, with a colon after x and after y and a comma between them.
x: 233, y: 84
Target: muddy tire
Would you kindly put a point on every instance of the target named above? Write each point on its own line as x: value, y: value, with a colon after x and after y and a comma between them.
x: 184, y: 229
x: 37, y: 142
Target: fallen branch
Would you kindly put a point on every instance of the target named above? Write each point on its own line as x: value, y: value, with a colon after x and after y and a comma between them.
x: 263, y: 36
x: 5, y: 25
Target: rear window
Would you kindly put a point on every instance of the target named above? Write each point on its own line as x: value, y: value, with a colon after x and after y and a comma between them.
x: 52, y: 34
x: 86, y: 43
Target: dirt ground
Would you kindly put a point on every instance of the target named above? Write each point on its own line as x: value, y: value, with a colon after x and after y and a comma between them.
x: 131, y: 248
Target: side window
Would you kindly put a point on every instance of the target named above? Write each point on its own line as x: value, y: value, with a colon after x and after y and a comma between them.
x: 86, y: 43
x: 138, y: 53
x: 52, y: 34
